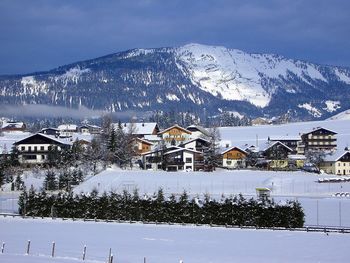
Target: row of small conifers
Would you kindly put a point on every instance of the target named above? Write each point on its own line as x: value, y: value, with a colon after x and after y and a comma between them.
x: 234, y: 210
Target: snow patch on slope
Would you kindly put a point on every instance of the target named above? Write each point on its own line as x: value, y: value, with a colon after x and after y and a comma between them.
x: 33, y: 87
x: 232, y: 74
x: 312, y: 110
x: 332, y: 105
x: 342, y: 75
x: 72, y: 75
x: 172, y: 97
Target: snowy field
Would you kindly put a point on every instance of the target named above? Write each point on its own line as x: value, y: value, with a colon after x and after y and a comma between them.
x: 130, y: 243
x: 320, y: 205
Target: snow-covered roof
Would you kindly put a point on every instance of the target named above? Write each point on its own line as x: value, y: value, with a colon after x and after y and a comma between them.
x: 268, y: 146
x: 296, y: 157
x: 13, y: 125
x: 181, y: 150
x: 140, y: 128
x: 285, y: 138
x: 152, y: 137
x: 144, y: 141
x: 68, y: 127
x: 198, y: 128
x: 234, y: 147
x: 195, y: 139
x: 335, y: 156
x: 46, y: 136
x: 320, y: 128
x: 175, y: 126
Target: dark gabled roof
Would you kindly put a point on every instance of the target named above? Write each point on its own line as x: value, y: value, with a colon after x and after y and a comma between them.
x: 320, y: 128
x: 44, y: 137
x: 278, y: 142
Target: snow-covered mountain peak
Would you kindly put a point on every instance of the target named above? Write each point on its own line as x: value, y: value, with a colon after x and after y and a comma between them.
x: 232, y: 74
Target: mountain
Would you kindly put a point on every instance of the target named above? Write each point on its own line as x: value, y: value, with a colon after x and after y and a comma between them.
x: 192, y: 77
x: 344, y: 115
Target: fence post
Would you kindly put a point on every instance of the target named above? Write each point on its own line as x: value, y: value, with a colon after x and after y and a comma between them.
x: 111, y: 260
x: 2, y: 247
x: 109, y: 255
x: 144, y: 260
x: 84, y: 252
x: 28, y: 247
x: 53, y: 249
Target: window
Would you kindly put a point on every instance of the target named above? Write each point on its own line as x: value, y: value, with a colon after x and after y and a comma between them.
x: 29, y: 148
x: 23, y: 148
x: 229, y: 162
x: 35, y: 148
x: 188, y: 160
x: 42, y: 157
x: 29, y: 157
x: 41, y: 148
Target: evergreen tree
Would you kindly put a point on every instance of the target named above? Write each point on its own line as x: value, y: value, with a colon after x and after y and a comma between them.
x: 212, y: 153
x: 19, y: 183
x: 22, y: 200
x: 50, y: 181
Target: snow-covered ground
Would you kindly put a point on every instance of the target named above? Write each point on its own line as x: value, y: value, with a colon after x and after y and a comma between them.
x: 320, y: 205
x: 163, y: 243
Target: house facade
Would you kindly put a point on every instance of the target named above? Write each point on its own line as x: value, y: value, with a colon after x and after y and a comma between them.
x: 173, y: 159
x: 234, y: 158
x: 175, y: 135
x: 337, y: 164
x: 36, y: 148
x: 67, y: 130
x: 290, y: 141
x: 142, y: 146
x: 320, y: 139
x: 277, y: 155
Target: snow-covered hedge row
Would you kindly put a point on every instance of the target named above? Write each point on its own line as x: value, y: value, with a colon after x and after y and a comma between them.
x: 228, y: 211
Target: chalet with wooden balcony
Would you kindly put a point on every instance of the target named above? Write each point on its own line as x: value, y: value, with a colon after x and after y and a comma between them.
x: 234, y: 157
x: 320, y: 139
x: 175, y: 135
x: 36, y: 148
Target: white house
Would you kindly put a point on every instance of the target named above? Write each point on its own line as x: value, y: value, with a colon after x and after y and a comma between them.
x: 36, y: 148
x: 67, y: 130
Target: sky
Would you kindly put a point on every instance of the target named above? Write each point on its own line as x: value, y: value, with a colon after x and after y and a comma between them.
x: 39, y: 35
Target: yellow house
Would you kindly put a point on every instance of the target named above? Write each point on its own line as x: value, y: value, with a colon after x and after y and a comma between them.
x: 234, y: 158
x: 337, y: 164
x: 175, y: 135
x: 298, y: 160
